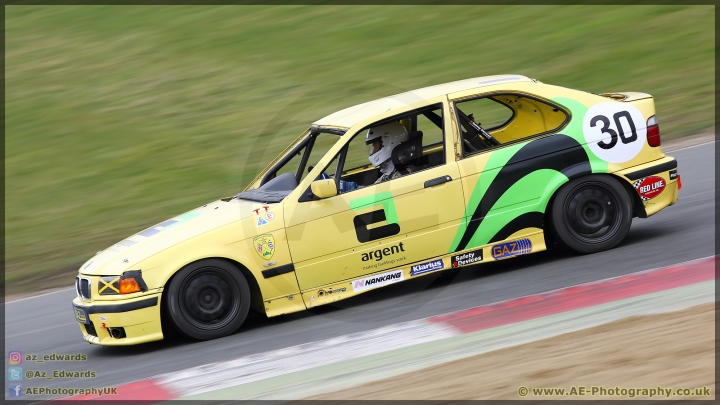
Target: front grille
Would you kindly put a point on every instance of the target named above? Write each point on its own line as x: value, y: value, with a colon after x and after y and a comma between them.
x: 82, y: 287
x: 90, y: 328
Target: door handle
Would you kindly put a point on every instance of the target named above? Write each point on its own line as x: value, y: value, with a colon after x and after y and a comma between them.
x: 436, y: 181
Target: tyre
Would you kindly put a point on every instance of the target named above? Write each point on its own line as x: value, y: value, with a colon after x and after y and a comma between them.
x: 591, y: 214
x: 208, y: 299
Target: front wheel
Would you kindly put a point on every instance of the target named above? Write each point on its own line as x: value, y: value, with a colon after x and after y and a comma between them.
x: 591, y: 214
x: 208, y: 299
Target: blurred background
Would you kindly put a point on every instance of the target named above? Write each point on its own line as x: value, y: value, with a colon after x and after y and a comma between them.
x: 119, y: 117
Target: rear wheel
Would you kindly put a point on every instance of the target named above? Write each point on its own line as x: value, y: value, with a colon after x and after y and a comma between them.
x: 208, y: 299
x: 591, y: 214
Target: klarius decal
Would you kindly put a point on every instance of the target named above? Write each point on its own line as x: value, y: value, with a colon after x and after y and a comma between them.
x: 426, y: 267
x: 650, y: 187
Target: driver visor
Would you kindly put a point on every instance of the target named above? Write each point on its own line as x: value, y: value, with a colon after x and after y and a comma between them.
x: 374, y: 146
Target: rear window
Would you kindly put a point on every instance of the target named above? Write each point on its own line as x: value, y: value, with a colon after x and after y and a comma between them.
x: 507, y: 118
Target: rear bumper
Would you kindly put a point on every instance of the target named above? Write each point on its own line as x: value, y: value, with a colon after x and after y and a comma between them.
x: 655, y: 167
x: 139, y: 317
x: 665, y: 168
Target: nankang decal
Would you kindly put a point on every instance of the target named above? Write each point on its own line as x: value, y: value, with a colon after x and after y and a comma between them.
x: 509, y: 249
x: 426, y: 267
x: 467, y: 258
x: 379, y: 280
x: 168, y: 224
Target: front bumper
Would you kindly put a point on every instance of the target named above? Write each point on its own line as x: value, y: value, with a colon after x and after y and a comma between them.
x: 138, y: 317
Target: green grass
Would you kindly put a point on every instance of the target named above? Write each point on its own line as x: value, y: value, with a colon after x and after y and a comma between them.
x: 118, y: 117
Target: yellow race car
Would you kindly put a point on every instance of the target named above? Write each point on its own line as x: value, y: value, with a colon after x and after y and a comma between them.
x: 446, y: 176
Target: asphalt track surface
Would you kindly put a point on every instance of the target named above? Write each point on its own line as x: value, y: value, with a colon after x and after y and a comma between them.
x: 45, y: 324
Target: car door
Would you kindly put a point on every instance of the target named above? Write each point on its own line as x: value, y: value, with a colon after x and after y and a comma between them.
x: 380, y: 227
x: 507, y: 185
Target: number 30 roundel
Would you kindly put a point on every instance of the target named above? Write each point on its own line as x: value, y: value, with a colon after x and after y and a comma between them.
x: 615, y: 132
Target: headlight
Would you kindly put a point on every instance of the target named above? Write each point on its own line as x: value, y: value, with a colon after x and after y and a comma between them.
x: 129, y: 282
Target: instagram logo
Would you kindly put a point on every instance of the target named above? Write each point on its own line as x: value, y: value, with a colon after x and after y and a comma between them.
x: 14, y: 357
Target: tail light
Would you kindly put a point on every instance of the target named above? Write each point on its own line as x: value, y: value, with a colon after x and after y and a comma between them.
x: 653, y: 132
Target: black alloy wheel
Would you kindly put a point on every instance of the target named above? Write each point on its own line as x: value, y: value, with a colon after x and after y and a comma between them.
x: 591, y: 214
x: 208, y: 299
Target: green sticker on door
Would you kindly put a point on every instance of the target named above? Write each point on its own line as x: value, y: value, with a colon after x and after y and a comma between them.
x: 387, y: 213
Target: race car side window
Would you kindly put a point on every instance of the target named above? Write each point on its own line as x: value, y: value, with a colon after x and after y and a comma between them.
x: 300, y: 159
x: 504, y: 118
x: 423, y: 149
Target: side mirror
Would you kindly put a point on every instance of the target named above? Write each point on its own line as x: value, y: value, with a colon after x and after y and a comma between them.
x: 324, y: 188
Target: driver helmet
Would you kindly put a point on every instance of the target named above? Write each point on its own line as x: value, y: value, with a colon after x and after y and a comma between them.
x: 382, y: 139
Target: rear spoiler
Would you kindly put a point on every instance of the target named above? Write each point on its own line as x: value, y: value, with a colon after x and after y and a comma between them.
x: 626, y: 96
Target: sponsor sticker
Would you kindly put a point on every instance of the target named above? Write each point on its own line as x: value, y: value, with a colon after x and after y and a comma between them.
x: 509, y: 249
x: 378, y: 280
x: 169, y: 224
x: 467, y: 258
x: 380, y: 253
x: 269, y: 216
x: 649, y: 187
x: 673, y: 174
x: 264, y: 246
x: 261, y: 221
x: 426, y: 267
x: 322, y: 293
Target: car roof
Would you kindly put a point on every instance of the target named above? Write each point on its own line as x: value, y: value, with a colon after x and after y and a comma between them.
x: 350, y: 116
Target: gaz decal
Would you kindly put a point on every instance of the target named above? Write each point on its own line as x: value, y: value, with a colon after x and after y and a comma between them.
x: 614, y: 132
x: 649, y: 187
x: 264, y: 246
x: 509, y: 249
x: 386, y: 214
